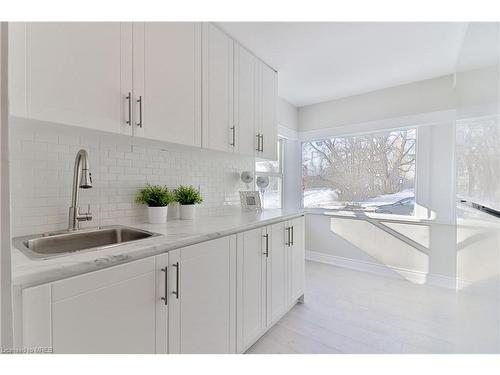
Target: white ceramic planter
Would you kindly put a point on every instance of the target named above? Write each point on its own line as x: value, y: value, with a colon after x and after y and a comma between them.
x: 157, y: 215
x: 188, y: 211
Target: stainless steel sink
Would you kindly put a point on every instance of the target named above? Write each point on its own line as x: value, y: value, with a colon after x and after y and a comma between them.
x: 49, y: 245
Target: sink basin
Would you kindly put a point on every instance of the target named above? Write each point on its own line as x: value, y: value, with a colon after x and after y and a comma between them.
x: 51, y: 245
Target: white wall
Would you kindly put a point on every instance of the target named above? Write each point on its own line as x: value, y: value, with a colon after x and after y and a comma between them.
x: 288, y: 115
x: 360, y: 242
x: 428, y: 106
x: 414, y: 98
x: 288, y: 124
x: 435, y: 182
x: 42, y: 158
x: 5, y: 269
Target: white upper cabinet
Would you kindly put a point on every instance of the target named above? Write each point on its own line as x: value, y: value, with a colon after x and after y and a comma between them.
x: 181, y: 82
x: 167, y: 81
x: 255, y: 115
x: 217, y: 89
x: 245, y: 100
x: 72, y: 73
x: 267, y: 114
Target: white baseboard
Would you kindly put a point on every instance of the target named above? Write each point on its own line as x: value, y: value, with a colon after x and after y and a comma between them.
x: 413, y: 276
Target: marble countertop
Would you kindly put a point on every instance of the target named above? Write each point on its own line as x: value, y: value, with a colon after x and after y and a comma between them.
x: 175, y: 234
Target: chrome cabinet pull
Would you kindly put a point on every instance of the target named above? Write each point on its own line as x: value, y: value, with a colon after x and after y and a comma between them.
x: 139, y: 124
x: 166, y: 286
x: 262, y: 143
x: 288, y: 241
x: 258, y: 142
x: 233, y: 143
x: 129, y: 98
x: 266, y: 236
x: 177, y: 271
x: 293, y: 239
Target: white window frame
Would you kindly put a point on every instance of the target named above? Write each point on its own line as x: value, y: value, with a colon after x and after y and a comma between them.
x: 354, y: 134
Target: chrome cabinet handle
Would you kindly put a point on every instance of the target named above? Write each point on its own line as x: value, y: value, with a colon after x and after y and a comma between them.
x: 233, y: 143
x: 288, y: 241
x: 258, y: 142
x: 129, y: 98
x: 266, y: 236
x: 262, y: 143
x: 292, y: 242
x: 166, y: 286
x: 177, y: 271
x: 139, y: 124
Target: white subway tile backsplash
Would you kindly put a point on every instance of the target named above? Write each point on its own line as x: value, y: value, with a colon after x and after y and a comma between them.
x: 42, y: 157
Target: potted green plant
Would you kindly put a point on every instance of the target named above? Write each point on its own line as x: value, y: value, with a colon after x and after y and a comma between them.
x: 187, y: 196
x: 157, y: 198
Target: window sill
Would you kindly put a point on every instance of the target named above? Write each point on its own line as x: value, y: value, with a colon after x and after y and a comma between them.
x: 360, y: 215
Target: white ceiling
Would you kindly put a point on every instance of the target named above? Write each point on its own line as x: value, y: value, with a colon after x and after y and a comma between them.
x: 322, y: 61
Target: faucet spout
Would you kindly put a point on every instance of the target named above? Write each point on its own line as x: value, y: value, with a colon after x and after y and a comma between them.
x: 82, y: 179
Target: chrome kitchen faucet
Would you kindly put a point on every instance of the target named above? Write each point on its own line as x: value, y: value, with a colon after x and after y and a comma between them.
x: 82, y: 178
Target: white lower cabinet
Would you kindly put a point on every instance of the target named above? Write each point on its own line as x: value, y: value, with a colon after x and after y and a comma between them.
x: 296, y: 255
x: 201, y: 299
x: 218, y: 296
x: 278, y: 273
x: 251, y: 297
x: 107, y: 311
x: 270, y: 277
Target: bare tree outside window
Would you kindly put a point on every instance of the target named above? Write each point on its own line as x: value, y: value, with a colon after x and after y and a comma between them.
x: 374, y: 172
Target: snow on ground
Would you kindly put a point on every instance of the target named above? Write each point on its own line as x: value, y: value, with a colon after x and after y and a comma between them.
x: 328, y: 198
x: 325, y: 198
x: 389, y: 198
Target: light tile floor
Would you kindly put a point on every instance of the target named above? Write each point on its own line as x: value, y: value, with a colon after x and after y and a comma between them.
x: 348, y: 311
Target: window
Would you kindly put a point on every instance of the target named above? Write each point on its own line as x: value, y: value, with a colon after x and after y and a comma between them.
x: 269, y: 179
x: 371, y: 172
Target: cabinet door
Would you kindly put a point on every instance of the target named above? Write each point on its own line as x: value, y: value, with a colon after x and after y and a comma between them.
x: 108, y: 311
x: 167, y: 81
x: 251, y: 287
x: 163, y: 272
x: 269, y: 125
x: 245, y: 106
x: 277, y: 275
x: 75, y: 73
x: 206, y: 298
x: 217, y: 78
x: 296, y: 259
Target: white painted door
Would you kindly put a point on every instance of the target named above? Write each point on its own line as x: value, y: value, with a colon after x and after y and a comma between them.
x: 217, y: 75
x: 108, y: 311
x: 167, y: 81
x: 296, y: 258
x: 205, y: 299
x: 174, y: 302
x: 162, y: 273
x: 74, y: 73
x: 277, y: 276
x: 252, y: 289
x: 269, y: 125
x: 245, y: 106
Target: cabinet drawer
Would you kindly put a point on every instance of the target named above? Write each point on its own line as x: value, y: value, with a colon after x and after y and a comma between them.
x: 93, y: 280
